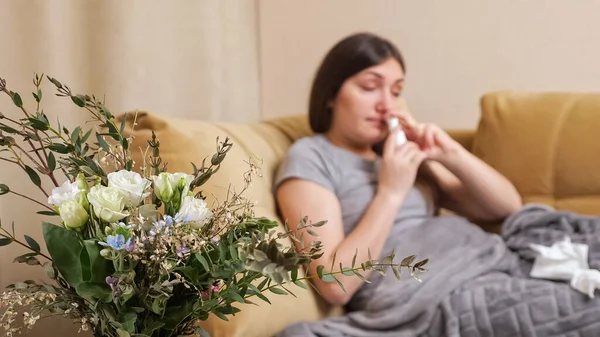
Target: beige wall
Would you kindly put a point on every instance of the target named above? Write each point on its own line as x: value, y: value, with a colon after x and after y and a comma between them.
x: 455, y: 50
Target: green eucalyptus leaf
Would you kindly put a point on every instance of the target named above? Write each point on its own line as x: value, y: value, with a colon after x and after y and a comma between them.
x: 78, y: 101
x: 236, y: 297
x: 38, y: 124
x: 59, y: 148
x: 408, y: 260
x: 103, y: 144
x: 51, y: 162
x: 327, y: 277
x: 86, y: 136
x: 221, y: 315
x: 300, y: 284
x: 8, y: 129
x: 75, y: 135
x: 396, y: 273
x: 278, y: 291
x: 5, y: 241
x: 258, y: 293
x: 17, y: 100
x: 320, y: 271
x: 49, y: 213
x: 122, y: 127
x: 23, y: 258
x: 421, y: 263
x: 32, y: 243
x: 4, y: 189
x: 35, y: 178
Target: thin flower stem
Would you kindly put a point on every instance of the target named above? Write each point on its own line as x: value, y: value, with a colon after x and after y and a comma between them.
x: 28, y: 155
x: 31, y: 199
x: 22, y: 164
x: 10, y: 161
x: 11, y: 120
x: 22, y: 244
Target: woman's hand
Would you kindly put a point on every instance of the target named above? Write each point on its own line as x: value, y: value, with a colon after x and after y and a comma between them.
x: 432, y: 140
x: 469, y: 186
x: 399, y: 167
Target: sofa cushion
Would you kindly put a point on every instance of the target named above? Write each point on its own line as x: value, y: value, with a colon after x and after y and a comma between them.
x: 545, y: 143
x: 183, y: 141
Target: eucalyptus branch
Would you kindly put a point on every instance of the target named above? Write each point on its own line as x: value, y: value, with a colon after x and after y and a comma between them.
x: 10, y: 161
x: 31, y: 199
x: 28, y: 156
x: 16, y: 98
x: 13, y: 239
x: 24, y: 167
x: 397, y: 266
x: 2, y: 116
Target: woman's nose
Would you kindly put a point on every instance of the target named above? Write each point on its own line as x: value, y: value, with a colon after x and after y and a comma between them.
x: 385, y: 103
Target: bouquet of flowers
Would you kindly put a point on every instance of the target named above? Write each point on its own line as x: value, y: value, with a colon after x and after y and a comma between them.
x: 137, y: 251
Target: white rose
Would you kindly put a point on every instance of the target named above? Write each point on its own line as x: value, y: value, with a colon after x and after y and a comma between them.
x: 108, y: 203
x: 66, y: 192
x: 73, y: 215
x: 168, y: 185
x: 131, y: 184
x: 195, y: 212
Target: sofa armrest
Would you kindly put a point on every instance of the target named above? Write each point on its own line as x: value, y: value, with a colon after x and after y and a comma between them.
x: 464, y: 137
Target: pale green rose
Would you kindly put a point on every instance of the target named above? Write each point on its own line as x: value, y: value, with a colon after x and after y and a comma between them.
x: 162, y: 187
x: 108, y: 203
x: 195, y: 212
x: 131, y: 184
x: 73, y: 215
x: 83, y: 186
x: 168, y: 186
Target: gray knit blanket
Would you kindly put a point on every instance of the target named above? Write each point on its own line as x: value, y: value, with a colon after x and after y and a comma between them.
x: 477, y: 284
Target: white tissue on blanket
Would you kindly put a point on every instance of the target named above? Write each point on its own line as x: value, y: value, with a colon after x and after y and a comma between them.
x: 566, y: 261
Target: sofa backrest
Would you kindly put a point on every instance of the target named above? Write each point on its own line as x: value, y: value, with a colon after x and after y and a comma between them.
x: 547, y: 144
x: 183, y: 141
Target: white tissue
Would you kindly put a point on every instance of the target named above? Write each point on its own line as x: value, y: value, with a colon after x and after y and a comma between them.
x: 393, y: 123
x: 566, y: 261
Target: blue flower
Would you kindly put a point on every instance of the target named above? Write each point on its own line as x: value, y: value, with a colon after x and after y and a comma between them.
x: 182, y: 250
x: 166, y: 222
x: 117, y: 242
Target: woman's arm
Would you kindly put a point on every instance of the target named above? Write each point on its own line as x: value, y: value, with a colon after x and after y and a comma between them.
x: 471, y: 187
x: 298, y: 198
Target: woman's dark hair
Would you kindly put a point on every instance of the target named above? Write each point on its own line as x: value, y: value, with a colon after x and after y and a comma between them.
x: 348, y: 57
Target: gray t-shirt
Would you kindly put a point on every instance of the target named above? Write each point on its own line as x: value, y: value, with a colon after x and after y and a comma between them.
x: 352, y: 178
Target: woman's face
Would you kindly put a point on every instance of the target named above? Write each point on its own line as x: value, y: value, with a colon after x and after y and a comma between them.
x: 365, y: 101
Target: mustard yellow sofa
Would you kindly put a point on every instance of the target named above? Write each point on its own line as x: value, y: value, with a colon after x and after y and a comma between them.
x: 547, y: 144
